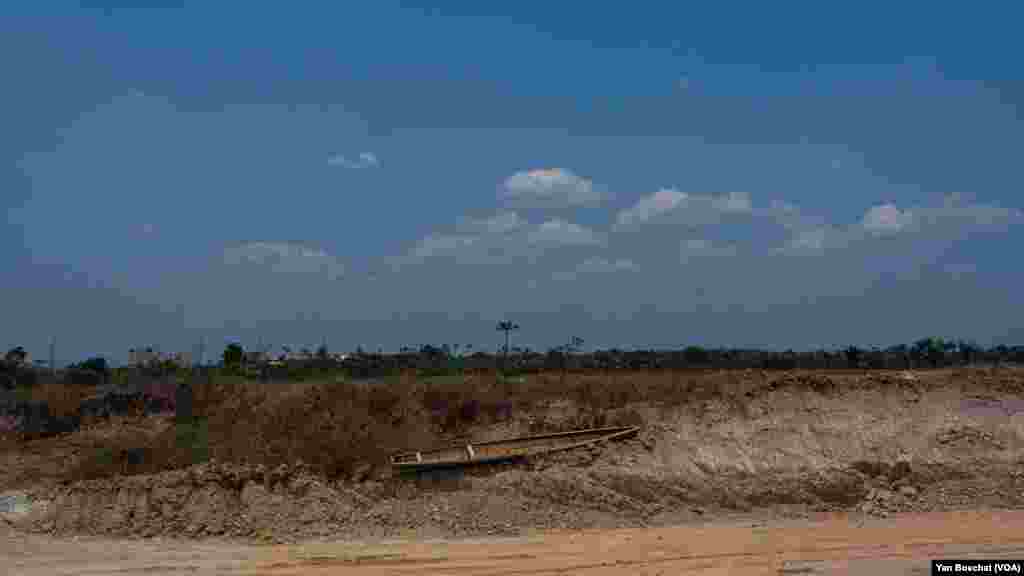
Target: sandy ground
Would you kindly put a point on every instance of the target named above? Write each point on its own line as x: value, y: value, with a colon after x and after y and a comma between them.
x: 835, y: 544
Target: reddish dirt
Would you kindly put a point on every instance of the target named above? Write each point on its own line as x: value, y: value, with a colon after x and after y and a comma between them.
x: 835, y: 545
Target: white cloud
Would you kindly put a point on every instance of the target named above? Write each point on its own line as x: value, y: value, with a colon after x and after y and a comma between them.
x: 501, y: 223
x: 364, y: 160
x: 956, y: 211
x: 791, y: 217
x: 648, y: 207
x: 917, y: 225
x: 442, y: 244
x: 504, y: 237
x: 563, y: 233
x: 886, y: 219
x: 603, y: 265
x: 551, y: 187
x: 596, y: 265
x: 705, y: 248
x: 696, y: 207
x: 811, y: 239
x: 285, y: 257
x: 954, y: 217
x: 733, y: 202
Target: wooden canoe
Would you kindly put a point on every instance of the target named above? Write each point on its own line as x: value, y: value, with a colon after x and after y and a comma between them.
x: 508, y: 449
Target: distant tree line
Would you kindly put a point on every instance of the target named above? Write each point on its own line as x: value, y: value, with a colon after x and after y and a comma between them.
x: 448, y: 358
x: 924, y: 353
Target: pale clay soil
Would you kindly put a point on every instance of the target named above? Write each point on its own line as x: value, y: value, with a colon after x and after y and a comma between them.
x: 799, y: 474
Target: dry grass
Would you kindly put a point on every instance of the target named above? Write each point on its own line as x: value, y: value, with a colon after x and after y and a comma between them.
x: 61, y: 398
x: 334, y: 426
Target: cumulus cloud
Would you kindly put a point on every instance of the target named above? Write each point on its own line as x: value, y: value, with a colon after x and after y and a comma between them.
x: 501, y: 223
x: 693, y: 207
x: 732, y: 202
x: 648, y: 207
x: 886, y: 219
x: 563, y: 233
x: 957, y: 211
x: 442, y: 244
x: 502, y: 238
x: 809, y: 240
x: 595, y: 265
x: 953, y: 218
x: 286, y: 258
x: 694, y: 248
x: 555, y: 187
x: 795, y: 255
x: 601, y: 265
x: 364, y: 160
x: 791, y: 217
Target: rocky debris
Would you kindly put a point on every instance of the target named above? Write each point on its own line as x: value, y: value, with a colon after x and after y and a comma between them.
x: 361, y: 472
x: 968, y: 437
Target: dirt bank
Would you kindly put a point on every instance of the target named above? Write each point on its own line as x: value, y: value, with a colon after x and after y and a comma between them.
x: 770, y: 445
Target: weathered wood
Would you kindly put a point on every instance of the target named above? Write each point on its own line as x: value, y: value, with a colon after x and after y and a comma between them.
x: 500, y: 450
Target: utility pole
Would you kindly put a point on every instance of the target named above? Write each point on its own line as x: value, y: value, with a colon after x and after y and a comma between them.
x: 53, y: 356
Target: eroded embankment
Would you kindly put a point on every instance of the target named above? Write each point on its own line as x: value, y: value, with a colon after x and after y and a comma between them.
x: 772, y: 443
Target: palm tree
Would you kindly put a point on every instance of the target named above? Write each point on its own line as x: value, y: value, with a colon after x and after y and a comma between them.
x: 507, y: 327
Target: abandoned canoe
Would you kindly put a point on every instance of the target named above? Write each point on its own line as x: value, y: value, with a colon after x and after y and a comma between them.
x: 508, y: 449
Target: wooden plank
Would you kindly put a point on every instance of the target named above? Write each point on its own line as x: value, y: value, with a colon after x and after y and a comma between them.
x: 603, y: 431
x: 439, y: 457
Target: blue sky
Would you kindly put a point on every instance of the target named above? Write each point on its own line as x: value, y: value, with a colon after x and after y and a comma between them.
x: 387, y: 174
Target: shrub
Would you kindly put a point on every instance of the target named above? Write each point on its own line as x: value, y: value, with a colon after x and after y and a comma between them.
x: 696, y: 355
x: 779, y: 362
x: 81, y: 377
